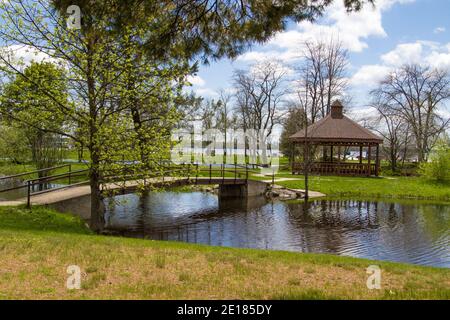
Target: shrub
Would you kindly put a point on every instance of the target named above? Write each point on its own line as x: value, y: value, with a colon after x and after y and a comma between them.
x: 438, y: 166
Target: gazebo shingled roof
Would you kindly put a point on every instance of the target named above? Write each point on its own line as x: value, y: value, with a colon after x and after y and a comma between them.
x: 336, y: 127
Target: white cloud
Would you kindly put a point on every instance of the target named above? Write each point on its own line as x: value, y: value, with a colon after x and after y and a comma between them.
x: 206, y: 92
x: 369, y: 75
x: 196, y: 80
x: 406, y: 52
x: 22, y: 56
x: 421, y: 52
x: 439, y: 30
x: 439, y: 59
x: 352, y: 29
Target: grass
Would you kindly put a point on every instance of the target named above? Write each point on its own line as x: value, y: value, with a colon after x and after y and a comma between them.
x: 36, y: 247
x: 383, y: 187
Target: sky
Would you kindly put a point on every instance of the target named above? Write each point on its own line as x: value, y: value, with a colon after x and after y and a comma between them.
x: 378, y: 39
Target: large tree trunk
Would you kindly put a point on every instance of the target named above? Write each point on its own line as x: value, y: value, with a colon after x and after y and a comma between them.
x: 97, y: 222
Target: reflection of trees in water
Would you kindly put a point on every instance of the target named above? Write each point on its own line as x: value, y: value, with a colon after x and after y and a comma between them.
x: 436, y: 220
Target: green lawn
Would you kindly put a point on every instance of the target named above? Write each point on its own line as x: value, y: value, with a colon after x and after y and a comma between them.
x: 36, y: 248
x: 383, y: 187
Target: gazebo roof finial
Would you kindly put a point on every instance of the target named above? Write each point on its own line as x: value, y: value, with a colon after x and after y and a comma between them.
x: 336, y: 110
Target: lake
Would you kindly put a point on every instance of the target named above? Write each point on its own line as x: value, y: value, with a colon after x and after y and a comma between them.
x: 402, y: 232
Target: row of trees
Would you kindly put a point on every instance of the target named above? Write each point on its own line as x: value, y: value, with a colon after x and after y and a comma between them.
x: 267, y: 94
x: 407, y: 102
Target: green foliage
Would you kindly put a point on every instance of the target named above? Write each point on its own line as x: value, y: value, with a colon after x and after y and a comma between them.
x: 14, y: 145
x: 33, y: 98
x: 295, y: 121
x: 438, y: 166
x: 205, y: 29
x: 30, y: 102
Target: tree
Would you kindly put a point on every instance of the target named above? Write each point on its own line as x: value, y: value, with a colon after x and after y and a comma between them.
x: 263, y: 85
x: 292, y: 123
x: 438, y: 166
x: 323, y: 71
x: 14, y: 145
x: 98, y: 63
x: 416, y: 93
x: 260, y: 93
x: 225, y: 117
x: 396, y: 134
x: 27, y: 108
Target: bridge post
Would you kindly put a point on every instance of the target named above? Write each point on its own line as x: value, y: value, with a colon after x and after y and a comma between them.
x: 196, y: 173
x: 250, y: 188
x: 28, y: 194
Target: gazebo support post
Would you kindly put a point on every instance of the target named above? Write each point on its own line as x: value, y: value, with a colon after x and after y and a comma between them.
x: 377, y: 161
x: 331, y: 155
x: 368, y: 159
x: 360, y: 154
x: 292, y: 157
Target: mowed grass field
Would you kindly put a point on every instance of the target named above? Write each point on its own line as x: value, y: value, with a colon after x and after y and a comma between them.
x: 37, y: 246
x: 379, y: 188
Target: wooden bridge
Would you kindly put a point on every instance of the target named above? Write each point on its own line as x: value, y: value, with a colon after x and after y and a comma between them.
x: 233, y: 181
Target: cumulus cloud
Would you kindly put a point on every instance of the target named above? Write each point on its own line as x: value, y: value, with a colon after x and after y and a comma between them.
x: 352, y: 29
x: 196, y: 80
x: 421, y: 52
x: 369, y: 75
x: 411, y: 52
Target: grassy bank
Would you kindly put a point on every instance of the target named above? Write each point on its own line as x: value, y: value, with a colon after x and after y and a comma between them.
x: 36, y: 248
x: 383, y: 187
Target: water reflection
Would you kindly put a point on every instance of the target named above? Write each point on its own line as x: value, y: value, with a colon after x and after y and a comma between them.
x: 417, y: 233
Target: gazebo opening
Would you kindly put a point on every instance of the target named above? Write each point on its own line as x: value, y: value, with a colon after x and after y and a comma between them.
x: 338, y: 146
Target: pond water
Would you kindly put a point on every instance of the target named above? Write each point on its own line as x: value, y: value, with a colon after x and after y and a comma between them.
x: 412, y: 233
x: 22, y: 192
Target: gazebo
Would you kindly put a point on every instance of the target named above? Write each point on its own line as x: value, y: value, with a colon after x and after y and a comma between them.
x: 336, y: 130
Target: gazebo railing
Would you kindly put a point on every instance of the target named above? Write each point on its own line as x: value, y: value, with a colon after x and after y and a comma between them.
x: 337, y: 168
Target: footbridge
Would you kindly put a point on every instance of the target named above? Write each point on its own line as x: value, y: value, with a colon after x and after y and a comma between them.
x: 74, y: 193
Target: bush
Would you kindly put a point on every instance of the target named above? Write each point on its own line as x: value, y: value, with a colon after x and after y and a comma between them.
x: 438, y: 166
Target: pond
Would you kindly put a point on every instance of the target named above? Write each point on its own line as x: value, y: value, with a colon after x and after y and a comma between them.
x: 411, y: 233
x: 22, y: 192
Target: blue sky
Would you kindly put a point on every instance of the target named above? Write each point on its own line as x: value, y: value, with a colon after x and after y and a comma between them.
x: 378, y: 39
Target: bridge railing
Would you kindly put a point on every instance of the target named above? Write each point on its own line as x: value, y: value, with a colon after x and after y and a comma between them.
x: 190, y: 171
x: 35, y: 171
x: 42, y: 181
